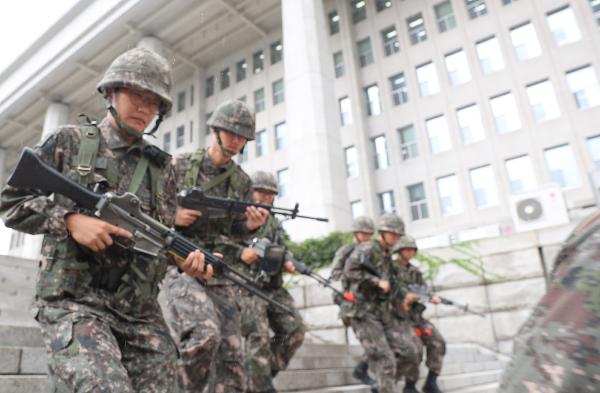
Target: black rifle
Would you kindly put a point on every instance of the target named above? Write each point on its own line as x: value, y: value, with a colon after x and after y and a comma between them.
x: 423, y: 292
x: 149, y: 236
x: 196, y: 199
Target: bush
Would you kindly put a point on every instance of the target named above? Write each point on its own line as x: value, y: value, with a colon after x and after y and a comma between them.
x: 319, y: 252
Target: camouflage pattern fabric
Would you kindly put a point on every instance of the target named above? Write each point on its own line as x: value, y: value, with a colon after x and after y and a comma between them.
x: 234, y: 116
x: 557, y: 349
x: 97, y: 311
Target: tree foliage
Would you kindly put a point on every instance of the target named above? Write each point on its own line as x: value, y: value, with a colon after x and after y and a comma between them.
x: 319, y: 252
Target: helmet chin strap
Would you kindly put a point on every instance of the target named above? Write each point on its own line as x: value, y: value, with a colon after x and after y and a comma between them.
x: 226, y: 153
x: 130, y: 131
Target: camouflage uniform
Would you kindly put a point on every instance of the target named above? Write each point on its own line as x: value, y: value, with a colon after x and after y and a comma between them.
x: 557, y: 350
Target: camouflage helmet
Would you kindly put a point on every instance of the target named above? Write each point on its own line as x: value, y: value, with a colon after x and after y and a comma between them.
x: 390, y: 222
x: 405, y: 241
x: 234, y: 116
x: 140, y: 68
x: 264, y: 181
x: 363, y: 224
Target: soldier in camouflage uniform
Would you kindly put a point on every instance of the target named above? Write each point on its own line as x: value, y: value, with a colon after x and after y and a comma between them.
x: 405, y: 250
x: 265, y: 355
x: 206, y: 318
x: 557, y: 350
x: 389, y: 343
x: 97, y: 300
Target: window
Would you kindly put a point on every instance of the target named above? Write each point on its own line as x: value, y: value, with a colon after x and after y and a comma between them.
x: 365, y: 52
x: 359, y: 10
x: 210, y: 86
x: 417, y: 202
x: 449, y: 193
x: 225, y: 78
x: 282, y: 182
x: 416, y: 29
x: 584, y: 86
x: 525, y: 41
x: 408, y: 143
x: 595, y: 4
x: 428, y: 80
x: 351, y: 161
x: 180, y: 137
x: 242, y: 156
x: 259, y: 100
x: 483, y: 182
x: 594, y: 146
x: 357, y: 209
x: 338, y: 63
x: 242, y: 98
x: 261, y: 143
x: 444, y: 14
x: 373, y: 102
x: 192, y: 95
x: 345, y: 111
x: 562, y: 166
x: 258, y: 61
x: 276, y: 52
x: 399, y: 89
x: 458, y: 68
x: 507, y: 2
x: 506, y: 114
x: 391, y: 44
x: 167, y: 142
x: 563, y: 26
x: 278, y: 93
x: 386, y: 202
x: 240, y: 70
x: 543, y: 101
x: 439, y: 136
x: 381, y: 5
x: 191, y: 131
x: 476, y: 8
x: 180, y: 101
x: 208, y: 116
x: 490, y: 55
x: 334, y: 22
x: 380, y: 152
x: 471, y: 126
x: 280, y: 136
x: 520, y: 174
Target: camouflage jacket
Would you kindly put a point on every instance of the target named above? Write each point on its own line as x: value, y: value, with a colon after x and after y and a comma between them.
x: 339, y: 261
x: 558, y: 347
x: 275, y: 233
x: 127, y: 281
x: 406, y: 275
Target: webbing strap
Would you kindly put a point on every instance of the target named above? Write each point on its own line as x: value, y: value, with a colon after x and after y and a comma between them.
x: 138, y: 175
x: 88, y: 150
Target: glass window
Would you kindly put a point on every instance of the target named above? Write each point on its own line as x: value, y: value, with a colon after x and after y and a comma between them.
x: 240, y: 70
x: 439, y: 136
x: 258, y: 59
x: 276, y: 52
x: 562, y: 167
x: 506, y: 114
x: 180, y: 101
x: 261, y: 143
x: 351, y: 161
x: 594, y: 146
x: 373, y: 102
x: 408, y: 143
x: 345, y: 111
x: 242, y: 156
x: 386, y: 202
x: 525, y: 41
x: 357, y: 209
x: 167, y: 141
x: 584, y: 86
x: 191, y: 131
x: 259, y: 100
x: 476, y: 8
x: 381, y: 5
x: 225, y: 78
x: 449, y: 192
x: 595, y: 4
x: 483, y: 182
x: 417, y: 202
x: 490, y: 55
x: 543, y: 101
x: 334, y: 22
x: 391, y: 44
x: 563, y: 26
x: 380, y: 152
x: 470, y: 123
x: 507, y: 2
x: 520, y: 174
x: 180, y: 137
x: 192, y: 95
x: 242, y: 98
x: 280, y: 136
x: 416, y: 29
x: 458, y: 68
x: 278, y: 92
x: 365, y: 52
x: 359, y: 10
x: 428, y: 80
x: 444, y: 15
x: 283, y: 178
x: 338, y: 63
x: 399, y: 89
x: 207, y: 130
x: 210, y: 86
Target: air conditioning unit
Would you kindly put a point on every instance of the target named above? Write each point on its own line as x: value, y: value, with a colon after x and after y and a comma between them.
x: 537, y: 209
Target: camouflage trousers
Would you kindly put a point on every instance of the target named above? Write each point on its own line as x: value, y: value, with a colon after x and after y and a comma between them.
x: 435, y: 346
x: 206, y: 321
x: 92, y: 349
x: 391, y: 348
x: 265, y: 355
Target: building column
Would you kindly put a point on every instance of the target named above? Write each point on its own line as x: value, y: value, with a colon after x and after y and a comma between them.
x: 317, y: 179
x: 57, y: 114
x: 155, y: 45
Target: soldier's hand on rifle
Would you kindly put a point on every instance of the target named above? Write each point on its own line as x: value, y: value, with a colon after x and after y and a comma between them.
x: 256, y: 217
x: 436, y: 299
x: 384, y: 285
x: 289, y: 267
x: 249, y: 256
x: 186, y: 217
x: 410, y: 298
x: 194, y: 265
x: 93, y: 233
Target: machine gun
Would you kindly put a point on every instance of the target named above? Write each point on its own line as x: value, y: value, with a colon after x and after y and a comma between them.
x: 149, y: 236
x: 423, y: 292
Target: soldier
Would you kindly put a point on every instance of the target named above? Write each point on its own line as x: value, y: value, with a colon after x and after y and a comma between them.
x: 406, y: 249
x: 206, y: 319
x: 97, y: 300
x: 557, y: 347
x: 267, y: 356
x: 389, y: 343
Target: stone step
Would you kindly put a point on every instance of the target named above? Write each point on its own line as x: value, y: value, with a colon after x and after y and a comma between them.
x: 26, y: 360
x: 24, y: 384
x: 485, y: 388
x: 335, y: 389
x: 312, y: 350
x: 313, y: 379
x: 318, y: 362
x: 17, y: 317
x: 20, y: 336
x: 462, y: 381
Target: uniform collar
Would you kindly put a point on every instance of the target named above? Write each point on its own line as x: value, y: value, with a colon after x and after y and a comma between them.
x: 114, y: 139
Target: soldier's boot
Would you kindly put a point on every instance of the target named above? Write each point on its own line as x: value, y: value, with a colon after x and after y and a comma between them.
x: 409, y: 387
x: 360, y: 373
x: 431, y: 385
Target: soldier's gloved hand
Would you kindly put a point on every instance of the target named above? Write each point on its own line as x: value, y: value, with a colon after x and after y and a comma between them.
x: 186, y: 217
x: 289, y: 267
x: 93, y: 233
x: 256, y: 217
x: 194, y: 265
x: 384, y: 285
x: 436, y: 299
x: 249, y: 256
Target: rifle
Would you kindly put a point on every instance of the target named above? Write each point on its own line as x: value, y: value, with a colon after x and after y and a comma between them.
x: 196, y: 199
x: 149, y: 236
x: 423, y: 292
